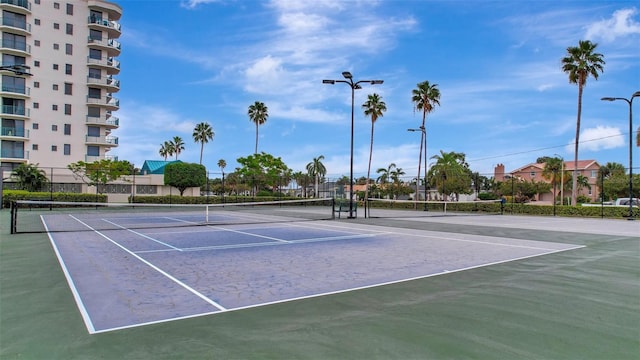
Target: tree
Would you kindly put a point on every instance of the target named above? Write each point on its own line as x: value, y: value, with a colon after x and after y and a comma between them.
x: 166, y: 150
x: 581, y: 62
x: 303, y: 180
x: 100, y: 172
x: 450, y: 174
x: 184, y: 175
x: 316, y: 170
x: 425, y: 97
x: 258, y: 114
x: 262, y: 169
x: 552, y: 166
x: 374, y: 107
x: 29, y: 177
x: 202, y: 133
x: 222, y: 164
x: 177, y: 145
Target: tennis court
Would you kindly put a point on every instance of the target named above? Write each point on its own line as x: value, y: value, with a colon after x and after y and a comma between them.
x: 125, y: 277
x: 398, y: 286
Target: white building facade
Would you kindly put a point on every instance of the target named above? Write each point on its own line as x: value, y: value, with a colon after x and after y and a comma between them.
x: 59, y: 80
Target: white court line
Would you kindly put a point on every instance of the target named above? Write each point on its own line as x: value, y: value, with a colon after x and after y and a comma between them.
x: 76, y: 295
x: 167, y: 275
x: 143, y: 235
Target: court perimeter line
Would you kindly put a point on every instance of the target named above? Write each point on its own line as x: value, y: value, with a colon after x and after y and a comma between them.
x: 169, y: 276
x: 76, y: 295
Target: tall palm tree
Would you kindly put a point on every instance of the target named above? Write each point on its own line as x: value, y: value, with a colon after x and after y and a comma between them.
x: 374, y: 107
x: 550, y: 171
x: 258, y: 114
x: 177, y: 145
x: 316, y: 170
x: 425, y: 97
x: 202, y: 133
x: 222, y: 164
x: 580, y: 63
x: 165, y: 150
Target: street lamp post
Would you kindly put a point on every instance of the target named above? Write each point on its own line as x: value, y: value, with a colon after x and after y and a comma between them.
x: 630, y: 102
x: 424, y: 136
x: 561, y: 180
x: 354, y: 86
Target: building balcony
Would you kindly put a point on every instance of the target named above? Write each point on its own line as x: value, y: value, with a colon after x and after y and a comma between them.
x: 14, y: 111
x: 111, y: 46
x: 19, y: 48
x: 111, y: 65
x: 101, y: 140
x: 15, y: 26
x: 14, y: 155
x: 14, y: 132
x: 108, y: 83
x: 112, y: 28
x: 15, y: 91
x: 113, y: 10
x: 107, y: 120
x: 18, y: 6
x: 108, y: 102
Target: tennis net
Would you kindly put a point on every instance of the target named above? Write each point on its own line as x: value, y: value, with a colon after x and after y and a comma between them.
x: 54, y: 216
x: 411, y: 208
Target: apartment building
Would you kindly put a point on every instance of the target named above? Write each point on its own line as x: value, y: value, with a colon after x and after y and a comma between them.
x: 59, y: 79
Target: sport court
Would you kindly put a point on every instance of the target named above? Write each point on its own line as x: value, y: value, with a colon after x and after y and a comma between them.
x: 126, y: 276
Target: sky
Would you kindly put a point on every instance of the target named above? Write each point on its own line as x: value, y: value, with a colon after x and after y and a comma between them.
x: 504, y: 97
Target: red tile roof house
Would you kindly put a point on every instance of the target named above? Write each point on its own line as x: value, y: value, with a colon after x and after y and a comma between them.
x: 533, y: 171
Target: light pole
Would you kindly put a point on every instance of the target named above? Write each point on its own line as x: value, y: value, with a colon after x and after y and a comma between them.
x: 354, y: 86
x: 424, y: 136
x: 630, y: 102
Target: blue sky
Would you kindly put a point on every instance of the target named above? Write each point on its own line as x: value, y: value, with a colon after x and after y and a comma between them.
x: 504, y: 98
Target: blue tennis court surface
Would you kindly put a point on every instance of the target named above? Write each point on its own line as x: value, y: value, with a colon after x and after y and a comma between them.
x: 125, y: 278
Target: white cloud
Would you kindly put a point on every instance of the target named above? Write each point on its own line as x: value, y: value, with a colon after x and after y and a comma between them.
x: 192, y: 4
x: 620, y: 24
x: 598, y: 138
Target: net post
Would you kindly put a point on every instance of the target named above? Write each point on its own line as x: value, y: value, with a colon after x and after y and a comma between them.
x: 333, y: 208
x: 14, y: 210
x: 206, y: 214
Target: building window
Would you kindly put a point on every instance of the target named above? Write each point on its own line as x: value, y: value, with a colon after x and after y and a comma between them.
x: 36, y: 63
x: 94, y: 93
x: 68, y: 69
x: 95, y: 73
x: 35, y: 126
x: 68, y: 49
x: 54, y: 148
x: 36, y: 42
x: 67, y: 149
x: 69, y: 9
x: 55, y: 87
x: 532, y: 174
x: 95, y: 54
x: 54, y: 107
x: 36, y: 105
x: 56, y: 5
x: 54, y: 127
x: 95, y: 35
x: 67, y: 109
x: 37, y: 2
x: 67, y: 129
x: 56, y: 26
x: 36, y: 84
x: 93, y: 150
x: 34, y: 147
x: 55, y: 66
x: 36, y: 21
x: 68, y: 88
x: 69, y: 29
x: 594, y: 173
x: 56, y: 46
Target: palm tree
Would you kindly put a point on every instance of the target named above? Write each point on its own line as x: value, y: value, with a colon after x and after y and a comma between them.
x: 29, y: 177
x: 317, y: 169
x: 581, y: 62
x: 385, y: 176
x: 165, y: 150
x: 450, y: 167
x: 177, y: 145
x: 202, y: 133
x: 222, y: 164
x: 373, y: 107
x: 258, y: 114
x: 425, y: 97
x: 550, y: 171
